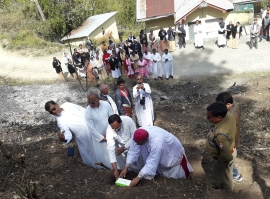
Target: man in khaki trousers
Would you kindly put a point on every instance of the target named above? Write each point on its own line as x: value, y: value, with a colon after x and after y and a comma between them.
x: 220, y: 144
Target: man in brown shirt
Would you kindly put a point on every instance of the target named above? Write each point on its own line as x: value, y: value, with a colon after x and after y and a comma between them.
x: 234, y: 109
x: 221, y: 145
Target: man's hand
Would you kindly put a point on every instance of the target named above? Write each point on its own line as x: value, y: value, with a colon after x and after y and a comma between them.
x: 61, y: 137
x: 124, y: 172
x: 135, y: 181
x: 104, y: 138
x: 119, y: 150
x: 116, y: 174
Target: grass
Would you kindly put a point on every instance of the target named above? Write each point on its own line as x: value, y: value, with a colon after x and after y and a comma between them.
x: 4, y: 81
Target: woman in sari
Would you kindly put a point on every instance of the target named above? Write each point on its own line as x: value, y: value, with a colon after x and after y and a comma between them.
x: 128, y: 67
x: 142, y: 67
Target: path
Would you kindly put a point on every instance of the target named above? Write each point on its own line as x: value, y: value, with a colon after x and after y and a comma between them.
x: 187, y: 62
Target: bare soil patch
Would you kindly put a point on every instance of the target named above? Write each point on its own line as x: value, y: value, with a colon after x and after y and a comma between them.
x: 179, y: 108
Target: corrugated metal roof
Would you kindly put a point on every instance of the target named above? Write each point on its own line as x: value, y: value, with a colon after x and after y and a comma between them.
x: 189, y: 6
x: 89, y: 25
x: 245, y: 1
x: 149, y: 9
x: 159, y: 7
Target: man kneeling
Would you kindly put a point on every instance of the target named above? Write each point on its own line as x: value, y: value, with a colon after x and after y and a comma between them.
x: 119, y: 136
x: 162, y: 154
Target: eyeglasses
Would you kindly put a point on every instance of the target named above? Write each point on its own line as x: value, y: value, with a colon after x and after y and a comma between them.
x: 93, y: 103
x: 117, y: 129
x: 51, y: 111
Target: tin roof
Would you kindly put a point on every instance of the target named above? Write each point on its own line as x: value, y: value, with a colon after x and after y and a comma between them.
x: 245, y: 1
x: 151, y: 9
x: 189, y: 6
x: 89, y: 25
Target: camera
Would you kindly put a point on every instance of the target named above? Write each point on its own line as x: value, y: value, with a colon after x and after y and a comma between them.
x: 142, y: 101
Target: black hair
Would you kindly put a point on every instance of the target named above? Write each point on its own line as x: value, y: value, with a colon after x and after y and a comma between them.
x: 225, y: 97
x: 114, y: 118
x: 217, y: 109
x: 120, y: 81
x: 221, y: 19
x: 48, y: 104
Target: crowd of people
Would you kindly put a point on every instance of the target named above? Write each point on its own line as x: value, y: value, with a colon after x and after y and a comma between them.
x: 125, y: 58
x: 106, y: 133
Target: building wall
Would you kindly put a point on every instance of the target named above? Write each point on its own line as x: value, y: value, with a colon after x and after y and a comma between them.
x: 109, y: 25
x: 244, y: 18
x: 211, y: 15
x: 157, y: 23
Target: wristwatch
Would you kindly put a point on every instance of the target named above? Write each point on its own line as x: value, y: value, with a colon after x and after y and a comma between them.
x: 140, y: 176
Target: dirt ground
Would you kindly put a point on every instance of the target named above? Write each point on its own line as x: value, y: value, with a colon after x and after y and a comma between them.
x: 179, y: 108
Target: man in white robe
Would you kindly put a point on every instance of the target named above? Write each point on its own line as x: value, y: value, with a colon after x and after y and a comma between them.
x: 70, y: 118
x: 162, y: 154
x: 96, y: 117
x: 168, y: 67
x: 119, y: 135
x: 198, y: 37
x: 221, y: 34
x: 143, y: 103
x: 157, y: 66
x: 104, y: 91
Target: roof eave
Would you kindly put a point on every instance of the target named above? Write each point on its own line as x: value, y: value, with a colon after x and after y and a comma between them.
x: 195, y: 8
x: 156, y: 17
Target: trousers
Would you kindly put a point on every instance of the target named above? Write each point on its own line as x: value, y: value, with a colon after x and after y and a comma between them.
x: 223, y: 173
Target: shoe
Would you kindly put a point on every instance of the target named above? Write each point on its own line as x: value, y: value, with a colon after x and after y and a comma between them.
x: 180, y: 47
x: 171, y: 76
x: 260, y: 39
x: 238, y: 178
x: 202, y: 47
x: 167, y: 78
x: 250, y: 47
x: 184, y: 46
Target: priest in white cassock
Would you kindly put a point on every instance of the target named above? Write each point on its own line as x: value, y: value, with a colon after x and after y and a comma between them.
x: 119, y: 136
x: 143, y: 103
x: 104, y: 95
x: 162, y: 154
x: 157, y: 66
x: 96, y: 117
x: 168, y: 67
x: 70, y: 119
x: 221, y: 34
x: 198, y: 31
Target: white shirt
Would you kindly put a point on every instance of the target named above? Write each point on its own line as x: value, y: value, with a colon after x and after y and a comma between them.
x: 97, y: 119
x: 122, y: 138
x: 156, y: 57
x: 147, y: 56
x: 72, y: 119
x: 168, y: 56
x: 198, y: 29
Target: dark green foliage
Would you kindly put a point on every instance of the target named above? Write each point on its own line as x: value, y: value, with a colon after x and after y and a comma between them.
x: 62, y: 16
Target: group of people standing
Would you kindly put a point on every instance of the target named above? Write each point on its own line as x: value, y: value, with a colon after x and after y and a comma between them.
x: 106, y: 133
x: 128, y: 58
x: 229, y: 35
